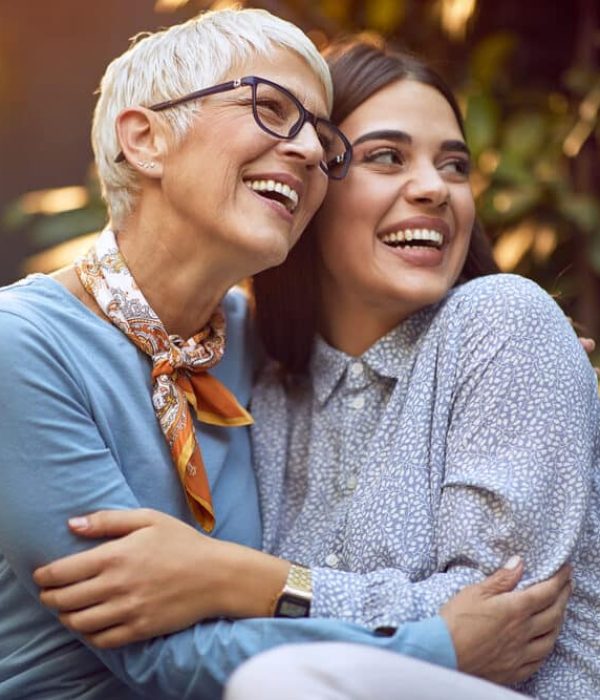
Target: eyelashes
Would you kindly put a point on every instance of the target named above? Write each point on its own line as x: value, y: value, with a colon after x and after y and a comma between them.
x: 394, y: 159
x: 384, y: 156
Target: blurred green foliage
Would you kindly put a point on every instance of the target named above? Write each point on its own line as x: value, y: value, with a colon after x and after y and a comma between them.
x: 535, y: 143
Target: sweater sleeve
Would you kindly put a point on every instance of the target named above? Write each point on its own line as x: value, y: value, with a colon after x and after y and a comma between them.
x: 55, y: 464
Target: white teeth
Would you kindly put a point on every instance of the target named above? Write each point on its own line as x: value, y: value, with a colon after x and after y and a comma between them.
x: 288, y: 192
x: 413, y: 235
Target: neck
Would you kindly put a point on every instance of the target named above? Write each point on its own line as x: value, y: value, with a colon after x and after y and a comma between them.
x: 181, y: 275
x: 353, y: 330
x: 352, y: 324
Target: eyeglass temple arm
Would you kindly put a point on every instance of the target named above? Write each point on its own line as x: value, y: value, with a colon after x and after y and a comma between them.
x: 205, y: 92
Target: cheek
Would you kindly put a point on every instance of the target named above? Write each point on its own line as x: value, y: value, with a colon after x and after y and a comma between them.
x: 464, y: 208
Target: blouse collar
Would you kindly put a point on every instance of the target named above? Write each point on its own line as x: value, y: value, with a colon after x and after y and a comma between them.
x: 390, y: 356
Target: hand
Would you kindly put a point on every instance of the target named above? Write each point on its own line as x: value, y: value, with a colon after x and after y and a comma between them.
x: 505, y: 635
x: 588, y: 344
x: 160, y: 576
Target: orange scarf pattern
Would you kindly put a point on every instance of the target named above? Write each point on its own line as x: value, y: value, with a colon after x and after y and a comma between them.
x: 179, y: 367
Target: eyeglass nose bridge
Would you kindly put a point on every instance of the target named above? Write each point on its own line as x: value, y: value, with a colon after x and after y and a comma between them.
x: 304, y: 117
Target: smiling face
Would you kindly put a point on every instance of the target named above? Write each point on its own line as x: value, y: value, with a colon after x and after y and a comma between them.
x: 234, y: 189
x: 393, y: 236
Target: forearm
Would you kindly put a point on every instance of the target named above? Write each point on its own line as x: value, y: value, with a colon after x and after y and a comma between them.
x: 206, y: 655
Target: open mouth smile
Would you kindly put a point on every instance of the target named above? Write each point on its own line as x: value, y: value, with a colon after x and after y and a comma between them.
x: 277, y: 191
x: 413, y: 238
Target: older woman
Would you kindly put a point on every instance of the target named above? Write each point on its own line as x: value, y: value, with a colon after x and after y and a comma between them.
x: 109, y: 403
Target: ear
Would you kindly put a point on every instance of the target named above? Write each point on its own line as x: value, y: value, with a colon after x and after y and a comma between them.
x: 143, y: 140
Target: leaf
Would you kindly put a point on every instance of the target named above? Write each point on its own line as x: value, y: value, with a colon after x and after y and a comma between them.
x: 583, y: 210
x: 385, y: 15
x: 580, y: 80
x: 512, y: 172
x: 501, y: 206
x: 595, y: 252
x: 481, y: 122
x: 51, y: 230
x: 524, y: 135
x: 490, y: 57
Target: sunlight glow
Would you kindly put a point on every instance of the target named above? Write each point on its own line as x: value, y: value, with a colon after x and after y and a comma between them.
x: 512, y: 246
x: 54, y: 201
x: 169, y: 5
x: 588, y: 117
x: 455, y: 15
x: 516, y: 242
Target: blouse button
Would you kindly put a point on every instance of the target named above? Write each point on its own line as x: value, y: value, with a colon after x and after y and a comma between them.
x: 358, y: 402
x: 356, y: 369
x: 351, y: 482
x: 332, y: 560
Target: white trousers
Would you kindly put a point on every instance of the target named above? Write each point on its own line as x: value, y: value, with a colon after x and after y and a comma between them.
x: 338, y: 671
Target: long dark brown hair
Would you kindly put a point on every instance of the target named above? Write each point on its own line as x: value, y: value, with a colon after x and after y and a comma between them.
x: 287, y: 296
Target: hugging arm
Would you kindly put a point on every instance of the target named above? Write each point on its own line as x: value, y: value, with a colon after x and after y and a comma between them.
x: 55, y: 463
x: 497, y: 634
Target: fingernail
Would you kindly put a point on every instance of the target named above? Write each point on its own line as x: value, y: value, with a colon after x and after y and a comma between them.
x: 513, y: 562
x: 80, y: 523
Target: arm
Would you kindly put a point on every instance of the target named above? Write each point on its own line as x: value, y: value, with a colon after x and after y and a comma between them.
x: 497, y: 634
x: 55, y: 461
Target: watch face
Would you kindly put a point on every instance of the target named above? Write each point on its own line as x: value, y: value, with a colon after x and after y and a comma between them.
x: 290, y: 606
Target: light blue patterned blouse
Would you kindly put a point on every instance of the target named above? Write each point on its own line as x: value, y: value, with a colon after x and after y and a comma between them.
x: 467, y: 434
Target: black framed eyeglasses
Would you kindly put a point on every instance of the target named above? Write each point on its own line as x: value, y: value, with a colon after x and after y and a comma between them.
x: 280, y: 114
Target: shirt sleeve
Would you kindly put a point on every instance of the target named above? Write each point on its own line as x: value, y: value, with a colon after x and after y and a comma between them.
x: 55, y: 464
x: 519, y: 457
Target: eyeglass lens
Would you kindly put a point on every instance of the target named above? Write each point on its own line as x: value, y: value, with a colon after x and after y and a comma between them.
x: 280, y: 116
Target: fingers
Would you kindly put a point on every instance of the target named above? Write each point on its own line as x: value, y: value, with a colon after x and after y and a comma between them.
x: 103, y: 523
x: 94, y: 619
x: 505, y: 579
x: 523, y: 673
x: 72, y: 569
x: 115, y: 636
x: 77, y: 596
x: 550, y: 619
x: 538, y: 649
x: 113, y: 523
x: 542, y: 595
x: 588, y: 344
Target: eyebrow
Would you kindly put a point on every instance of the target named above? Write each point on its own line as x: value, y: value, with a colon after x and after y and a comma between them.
x: 403, y: 137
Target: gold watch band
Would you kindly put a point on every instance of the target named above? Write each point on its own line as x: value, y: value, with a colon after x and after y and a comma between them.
x: 296, y: 596
x: 299, y: 578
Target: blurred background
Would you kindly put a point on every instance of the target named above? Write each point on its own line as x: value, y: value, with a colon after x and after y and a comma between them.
x: 527, y: 74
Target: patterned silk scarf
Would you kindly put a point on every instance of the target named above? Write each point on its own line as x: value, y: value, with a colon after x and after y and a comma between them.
x: 178, y: 367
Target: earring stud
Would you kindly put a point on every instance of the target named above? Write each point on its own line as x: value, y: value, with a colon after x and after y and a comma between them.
x: 146, y: 165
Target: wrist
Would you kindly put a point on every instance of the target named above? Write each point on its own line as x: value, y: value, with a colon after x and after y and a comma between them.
x: 251, y: 581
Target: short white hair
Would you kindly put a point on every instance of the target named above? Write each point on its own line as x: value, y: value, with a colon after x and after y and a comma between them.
x: 174, y: 62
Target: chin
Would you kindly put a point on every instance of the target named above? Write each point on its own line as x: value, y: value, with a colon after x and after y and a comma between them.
x: 272, y: 256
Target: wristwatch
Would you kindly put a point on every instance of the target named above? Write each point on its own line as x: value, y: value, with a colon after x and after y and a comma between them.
x: 296, y: 596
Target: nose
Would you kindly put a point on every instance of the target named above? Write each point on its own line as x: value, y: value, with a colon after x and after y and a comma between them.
x: 425, y: 185
x: 305, y: 146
